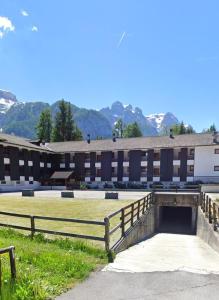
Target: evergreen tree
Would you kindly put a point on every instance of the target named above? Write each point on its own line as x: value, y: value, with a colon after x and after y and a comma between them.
x: 64, y: 127
x: 212, y: 129
x: 190, y: 129
x: 119, y: 128
x: 44, y: 126
x: 182, y: 128
x: 77, y: 134
x: 132, y: 130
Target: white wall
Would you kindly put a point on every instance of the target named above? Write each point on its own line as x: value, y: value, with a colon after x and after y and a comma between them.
x: 205, y: 160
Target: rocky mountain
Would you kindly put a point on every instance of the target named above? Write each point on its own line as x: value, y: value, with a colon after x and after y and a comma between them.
x: 154, y: 124
x: 20, y: 118
x: 162, y: 121
x: 7, y: 99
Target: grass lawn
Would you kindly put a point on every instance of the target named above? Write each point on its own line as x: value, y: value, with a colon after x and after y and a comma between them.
x: 45, y: 268
x: 67, y: 208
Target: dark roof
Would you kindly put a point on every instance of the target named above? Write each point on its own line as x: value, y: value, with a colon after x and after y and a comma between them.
x: 12, y: 140
x: 185, y: 140
x: 61, y: 175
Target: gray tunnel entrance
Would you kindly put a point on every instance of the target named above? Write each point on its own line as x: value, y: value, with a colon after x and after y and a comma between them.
x: 176, y: 219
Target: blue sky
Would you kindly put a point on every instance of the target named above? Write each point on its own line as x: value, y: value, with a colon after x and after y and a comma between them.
x: 158, y: 55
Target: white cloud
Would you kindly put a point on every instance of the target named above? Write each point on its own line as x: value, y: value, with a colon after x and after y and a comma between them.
x: 34, y: 28
x: 5, y: 26
x: 24, y: 13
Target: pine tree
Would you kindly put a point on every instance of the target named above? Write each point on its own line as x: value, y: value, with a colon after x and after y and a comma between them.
x: 44, y: 126
x: 190, y: 130
x: 182, y: 128
x: 119, y: 128
x: 64, y: 127
x: 132, y: 130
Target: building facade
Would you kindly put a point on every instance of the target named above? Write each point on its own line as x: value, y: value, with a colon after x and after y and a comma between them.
x: 167, y: 160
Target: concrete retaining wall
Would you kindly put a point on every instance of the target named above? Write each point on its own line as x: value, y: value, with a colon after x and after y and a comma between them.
x: 206, y: 232
x: 210, y: 188
x: 145, y: 228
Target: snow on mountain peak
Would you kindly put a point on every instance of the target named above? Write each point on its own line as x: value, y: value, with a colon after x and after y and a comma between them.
x: 156, y: 119
x: 7, y: 99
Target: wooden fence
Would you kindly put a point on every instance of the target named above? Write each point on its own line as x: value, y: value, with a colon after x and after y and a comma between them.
x: 10, y: 251
x: 33, y: 229
x: 128, y: 216
x: 210, y: 209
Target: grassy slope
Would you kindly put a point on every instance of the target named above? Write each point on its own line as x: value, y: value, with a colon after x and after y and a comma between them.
x: 69, y: 208
x: 46, y: 268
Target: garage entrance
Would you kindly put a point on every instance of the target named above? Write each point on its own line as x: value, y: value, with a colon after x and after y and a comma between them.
x: 174, y: 219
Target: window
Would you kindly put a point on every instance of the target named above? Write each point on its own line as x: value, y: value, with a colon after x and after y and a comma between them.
x: 216, y: 151
x: 156, y: 172
x: 191, y: 168
x: 156, y: 156
x: 7, y: 170
x: 6, y: 152
x: 191, y: 152
x: 216, y: 168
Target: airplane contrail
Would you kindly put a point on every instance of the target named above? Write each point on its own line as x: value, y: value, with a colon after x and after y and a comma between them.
x: 121, y: 39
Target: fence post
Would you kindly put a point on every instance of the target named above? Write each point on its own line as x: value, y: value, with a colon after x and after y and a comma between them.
x: 123, y: 221
x: 138, y: 214
x: 132, y: 214
x: 209, y: 210
x: 145, y: 204
x: 107, y: 234
x: 12, y: 262
x: 214, y: 217
x: 206, y: 207
x: 203, y: 204
x: 32, y: 225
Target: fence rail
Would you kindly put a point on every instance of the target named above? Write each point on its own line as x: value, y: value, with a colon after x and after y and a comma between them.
x: 127, y: 216
x: 33, y: 229
x: 211, y: 210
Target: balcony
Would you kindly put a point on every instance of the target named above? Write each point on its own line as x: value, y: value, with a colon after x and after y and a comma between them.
x: 144, y: 163
x: 6, y: 160
x: 176, y: 162
x: 143, y: 179
x: 176, y: 178
x: 125, y: 163
x: 114, y: 164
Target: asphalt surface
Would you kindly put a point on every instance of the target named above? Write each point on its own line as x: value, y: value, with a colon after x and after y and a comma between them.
x: 167, y: 266
x: 141, y: 286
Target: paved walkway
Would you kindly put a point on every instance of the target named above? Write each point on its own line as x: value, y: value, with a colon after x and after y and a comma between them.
x: 167, y: 266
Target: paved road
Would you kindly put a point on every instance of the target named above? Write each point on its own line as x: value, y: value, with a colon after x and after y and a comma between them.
x: 146, y: 286
x: 167, y: 266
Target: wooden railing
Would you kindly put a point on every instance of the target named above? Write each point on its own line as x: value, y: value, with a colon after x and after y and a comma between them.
x: 211, y: 210
x: 11, y: 252
x: 127, y: 218
x: 33, y: 229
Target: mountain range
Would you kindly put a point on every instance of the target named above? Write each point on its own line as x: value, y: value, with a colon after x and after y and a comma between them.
x: 20, y: 118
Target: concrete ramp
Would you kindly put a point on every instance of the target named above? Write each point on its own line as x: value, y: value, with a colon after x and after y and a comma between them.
x: 168, y: 252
